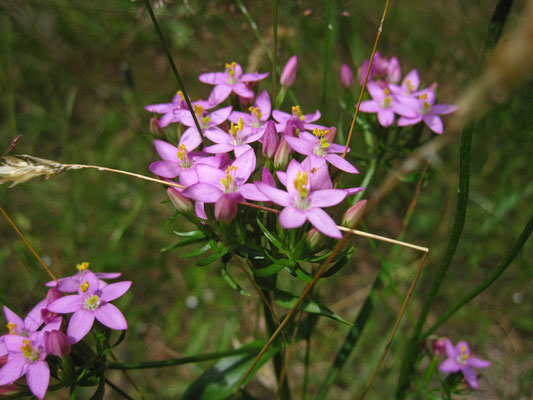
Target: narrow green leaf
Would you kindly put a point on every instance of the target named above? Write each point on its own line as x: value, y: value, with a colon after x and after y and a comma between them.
x: 181, y: 243
x: 270, y: 270
x: 230, y: 281
x: 274, y: 240
x: 195, y: 234
x: 208, y: 260
x: 288, y: 300
x: 197, y: 252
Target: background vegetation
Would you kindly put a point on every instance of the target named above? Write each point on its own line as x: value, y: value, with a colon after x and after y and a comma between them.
x: 74, y: 77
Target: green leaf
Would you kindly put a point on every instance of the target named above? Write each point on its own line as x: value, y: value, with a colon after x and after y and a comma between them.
x: 181, y: 243
x: 339, y: 264
x: 270, y: 270
x: 273, y: 239
x: 208, y: 260
x: 197, y: 252
x: 288, y: 300
x: 195, y: 234
x: 220, y: 381
x: 230, y: 281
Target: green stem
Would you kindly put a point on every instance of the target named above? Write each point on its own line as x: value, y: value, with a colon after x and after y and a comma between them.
x: 369, y: 175
x: 180, y: 361
x: 174, y: 68
x: 511, y: 255
x: 118, y: 390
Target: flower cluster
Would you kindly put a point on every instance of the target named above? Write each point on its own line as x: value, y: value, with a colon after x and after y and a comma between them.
x: 235, y: 138
x: 390, y: 95
x: 31, y: 340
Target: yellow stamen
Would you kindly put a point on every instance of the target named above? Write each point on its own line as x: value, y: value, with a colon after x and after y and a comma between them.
x: 387, y: 92
x: 180, y: 94
x: 26, y: 349
x: 181, y: 151
x: 205, y: 120
x: 299, y: 184
x: 82, y: 266
x: 324, y: 144
x: 11, y: 327
x: 230, y: 68
x: 423, y: 96
x: 198, y: 110
x: 228, y: 180
x: 92, y: 302
x: 84, y: 286
x: 255, y: 111
x: 320, y: 132
x: 298, y: 112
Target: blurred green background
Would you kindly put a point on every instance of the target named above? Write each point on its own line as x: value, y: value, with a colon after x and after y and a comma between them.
x: 74, y: 77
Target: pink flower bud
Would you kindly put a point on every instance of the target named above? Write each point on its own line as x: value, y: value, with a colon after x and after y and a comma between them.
x: 182, y: 203
x: 352, y: 215
x: 48, y: 316
x: 270, y: 140
x: 394, y: 72
x: 56, y: 342
x: 155, y: 128
x: 438, y: 346
x: 281, y: 158
x: 313, y: 238
x: 288, y: 74
x: 346, y: 76
x: 226, y: 208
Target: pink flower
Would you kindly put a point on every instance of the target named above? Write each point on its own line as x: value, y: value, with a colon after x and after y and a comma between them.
x: 70, y: 284
x: 92, y: 301
x: 379, y: 69
x: 394, y: 72
x: 409, y: 85
x: 300, y: 120
x: 302, y: 204
x: 231, y: 80
x: 460, y: 359
x: 237, y: 139
x: 346, y: 76
x: 26, y: 356
x: 175, y: 110
x: 259, y: 113
x: 288, y: 74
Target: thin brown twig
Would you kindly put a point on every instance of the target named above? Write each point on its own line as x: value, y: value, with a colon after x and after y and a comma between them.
x: 396, y: 324
x: 28, y: 244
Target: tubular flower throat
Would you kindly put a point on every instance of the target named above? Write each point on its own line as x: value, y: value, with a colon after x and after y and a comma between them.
x: 184, y: 157
x: 297, y: 112
x: 322, y: 147
x: 301, y: 185
x: 463, y: 356
x: 29, y: 352
x: 236, y: 132
x: 230, y: 69
x: 228, y: 181
x: 387, y: 101
x: 256, y: 115
x: 92, y: 302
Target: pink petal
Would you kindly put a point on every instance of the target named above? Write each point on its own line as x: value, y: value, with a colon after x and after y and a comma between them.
x: 312, y: 117
x: 110, y: 316
x: 219, y: 148
x: 263, y: 102
x: 175, y: 115
x: 65, y: 305
x: 434, y: 123
x: 68, y: 285
x: 108, y: 275
x: 327, y: 197
x: 38, y: 378
x: 245, y: 164
x: 478, y: 362
x: 160, y: 108
x: 13, y: 369
x: 34, y: 318
x: 411, y: 79
x: 299, y: 145
x: 443, y: 109
x: 450, y: 349
x: 235, y: 115
x: 275, y: 195
x: 341, y: 163
x: 188, y: 177
x: 213, y: 78
x: 13, y: 318
x: 291, y: 217
x: 266, y: 177
x: 323, y: 222
x: 385, y: 117
x: 450, y: 365
x: 242, y: 90
x: 204, y: 192
x: 280, y: 116
x: 114, y: 290
x: 13, y: 343
x: 217, y: 135
x: 166, y: 150
x: 320, y: 179
x: 336, y: 148
x: 251, y: 192
x: 191, y: 139
x: 239, y: 150
x: 219, y: 94
x: 375, y: 91
x: 470, y: 376
x: 256, y: 76
x: 80, y: 324
x: 210, y: 174
x: 164, y: 169
x: 369, y: 106
x: 219, y: 116
x: 406, y: 110
x: 402, y: 121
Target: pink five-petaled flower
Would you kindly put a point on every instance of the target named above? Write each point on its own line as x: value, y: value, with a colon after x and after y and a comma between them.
x: 226, y: 188
x: 302, y: 203
x: 231, y: 80
x: 175, y: 110
x: 386, y: 104
x: 409, y: 85
x: 26, y: 356
x: 318, y: 147
x: 297, y: 118
x: 460, y: 359
x: 92, y: 301
x: 71, y: 283
x: 237, y: 139
x: 208, y: 122
x: 259, y: 113
x: 429, y: 112
x: 179, y: 161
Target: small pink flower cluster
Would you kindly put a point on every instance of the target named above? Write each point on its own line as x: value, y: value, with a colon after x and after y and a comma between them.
x: 406, y: 99
x: 30, y: 340
x: 220, y: 172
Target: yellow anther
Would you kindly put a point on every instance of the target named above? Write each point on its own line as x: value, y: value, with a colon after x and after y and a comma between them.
x: 11, y: 327
x: 320, y: 132
x: 234, y: 129
x: 228, y: 180
x: 313, y: 170
x: 180, y: 94
x: 198, y: 110
x: 386, y: 91
x: 255, y: 111
x: 423, y: 96
x: 240, y: 125
x: 181, y: 151
x: 426, y: 106
x: 297, y: 112
x: 300, y: 184
x: 387, y: 101
x: 92, y: 302
x: 26, y: 349
x: 410, y: 86
x: 230, y: 68
x: 324, y: 144
x: 205, y: 120
x: 82, y: 266
x: 84, y: 286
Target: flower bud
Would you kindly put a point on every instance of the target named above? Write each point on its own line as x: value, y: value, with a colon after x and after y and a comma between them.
x: 288, y: 74
x: 438, y: 346
x: 182, y: 203
x: 226, y: 208
x: 394, y: 72
x: 314, y: 238
x: 56, y: 342
x: 155, y: 128
x: 353, y: 213
x: 346, y: 76
x: 270, y: 140
x: 281, y: 158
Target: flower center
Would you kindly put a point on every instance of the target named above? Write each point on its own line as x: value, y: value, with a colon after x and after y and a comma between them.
x: 236, y: 132
x: 301, y: 185
x: 228, y: 181
x: 321, y: 147
x: 84, y: 286
x: 11, y: 328
x: 82, y: 266
x: 387, y: 101
x: 425, y: 108
x: 92, y: 303
x: 463, y: 357
x: 230, y: 70
x: 256, y: 115
x: 29, y: 352
x: 297, y: 112
x: 184, y: 157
